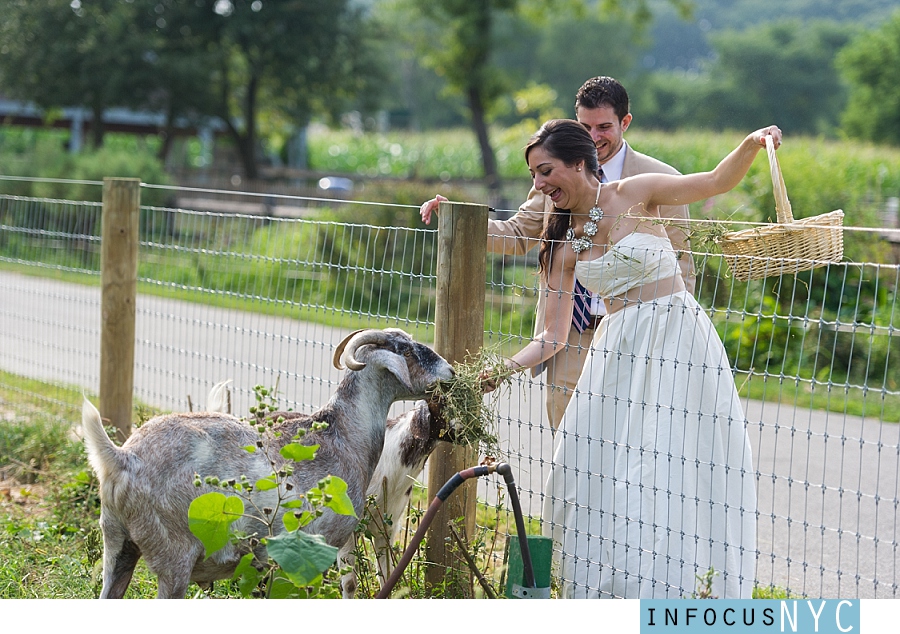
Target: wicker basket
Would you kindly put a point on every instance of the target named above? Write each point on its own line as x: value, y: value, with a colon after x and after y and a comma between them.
x: 787, y: 247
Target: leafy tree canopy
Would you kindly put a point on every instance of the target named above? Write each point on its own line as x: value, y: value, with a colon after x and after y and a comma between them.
x: 871, y: 65
x: 93, y: 53
x: 779, y: 72
x: 231, y: 59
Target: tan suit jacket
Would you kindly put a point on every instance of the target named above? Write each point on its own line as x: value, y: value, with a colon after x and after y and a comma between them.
x: 522, y: 232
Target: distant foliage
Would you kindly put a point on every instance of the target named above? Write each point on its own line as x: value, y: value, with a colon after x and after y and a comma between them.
x: 779, y: 72
x: 871, y: 65
x: 44, y: 154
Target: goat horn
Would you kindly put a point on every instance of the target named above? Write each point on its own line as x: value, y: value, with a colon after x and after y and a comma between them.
x: 340, y: 348
x: 361, y: 339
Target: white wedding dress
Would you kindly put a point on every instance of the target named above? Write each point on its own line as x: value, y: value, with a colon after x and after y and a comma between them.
x: 652, y: 482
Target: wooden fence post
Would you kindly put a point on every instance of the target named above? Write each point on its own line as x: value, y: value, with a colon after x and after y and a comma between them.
x: 459, y: 332
x: 118, y: 263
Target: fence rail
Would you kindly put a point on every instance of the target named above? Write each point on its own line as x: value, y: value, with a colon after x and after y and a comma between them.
x: 264, y: 300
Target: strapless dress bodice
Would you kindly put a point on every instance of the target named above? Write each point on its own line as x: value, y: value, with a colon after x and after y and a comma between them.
x: 635, y: 260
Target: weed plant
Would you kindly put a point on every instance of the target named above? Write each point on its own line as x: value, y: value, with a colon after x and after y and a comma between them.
x: 285, y: 562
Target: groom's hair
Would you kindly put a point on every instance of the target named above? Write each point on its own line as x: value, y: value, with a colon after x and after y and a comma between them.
x: 603, y: 91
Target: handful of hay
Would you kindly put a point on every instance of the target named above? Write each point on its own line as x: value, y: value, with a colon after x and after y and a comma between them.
x: 461, y: 400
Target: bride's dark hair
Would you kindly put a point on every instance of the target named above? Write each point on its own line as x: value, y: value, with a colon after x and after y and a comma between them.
x: 565, y: 140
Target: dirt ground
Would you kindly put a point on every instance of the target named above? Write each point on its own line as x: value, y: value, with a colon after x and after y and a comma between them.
x: 20, y: 500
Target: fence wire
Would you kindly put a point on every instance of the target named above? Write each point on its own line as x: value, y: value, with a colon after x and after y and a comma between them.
x: 262, y: 295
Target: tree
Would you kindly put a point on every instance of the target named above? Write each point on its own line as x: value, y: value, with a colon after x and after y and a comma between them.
x: 462, y: 47
x: 59, y: 53
x: 871, y: 65
x: 291, y: 58
x: 461, y: 53
x: 604, y: 47
x: 782, y: 72
x: 229, y: 59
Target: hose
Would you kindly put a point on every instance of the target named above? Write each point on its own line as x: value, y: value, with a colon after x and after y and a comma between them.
x: 451, y: 485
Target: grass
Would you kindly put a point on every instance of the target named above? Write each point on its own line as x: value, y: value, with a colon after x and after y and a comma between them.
x: 50, y: 543
x: 841, y: 399
x: 774, y: 592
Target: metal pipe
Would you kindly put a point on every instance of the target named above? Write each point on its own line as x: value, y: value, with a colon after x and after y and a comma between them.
x: 452, y: 484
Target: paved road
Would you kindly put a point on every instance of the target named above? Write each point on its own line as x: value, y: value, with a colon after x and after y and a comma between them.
x: 828, y: 484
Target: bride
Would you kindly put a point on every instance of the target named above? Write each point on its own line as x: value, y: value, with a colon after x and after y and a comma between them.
x: 652, y: 484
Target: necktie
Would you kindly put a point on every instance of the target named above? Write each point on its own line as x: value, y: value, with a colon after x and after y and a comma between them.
x: 581, y: 316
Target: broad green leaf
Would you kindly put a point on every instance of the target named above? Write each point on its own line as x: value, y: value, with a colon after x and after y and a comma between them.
x: 297, y: 452
x: 283, y: 588
x: 306, y: 517
x: 266, y: 484
x: 291, y: 521
x: 210, y: 516
x: 292, y: 504
x: 246, y: 575
x: 303, y: 557
x: 340, y: 502
x: 250, y: 448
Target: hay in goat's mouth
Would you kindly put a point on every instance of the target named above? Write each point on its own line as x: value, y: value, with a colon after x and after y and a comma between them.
x: 462, y: 402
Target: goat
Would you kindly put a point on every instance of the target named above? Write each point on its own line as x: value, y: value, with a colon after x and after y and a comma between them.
x: 147, y: 485
x: 409, y: 440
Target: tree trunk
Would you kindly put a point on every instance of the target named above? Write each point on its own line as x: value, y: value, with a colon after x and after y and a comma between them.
x: 168, y: 135
x: 97, y: 127
x: 247, y: 141
x: 488, y: 162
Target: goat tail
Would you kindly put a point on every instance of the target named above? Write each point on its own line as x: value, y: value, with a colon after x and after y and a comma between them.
x: 217, y: 401
x: 103, y: 455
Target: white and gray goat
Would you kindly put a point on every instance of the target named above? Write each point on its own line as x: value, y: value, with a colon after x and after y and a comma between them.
x: 147, y: 485
x: 410, y: 439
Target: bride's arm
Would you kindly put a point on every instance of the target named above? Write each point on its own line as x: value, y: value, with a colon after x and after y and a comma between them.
x: 558, y: 312
x: 670, y: 189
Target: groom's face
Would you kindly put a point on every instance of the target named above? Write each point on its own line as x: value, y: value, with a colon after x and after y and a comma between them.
x: 605, y: 129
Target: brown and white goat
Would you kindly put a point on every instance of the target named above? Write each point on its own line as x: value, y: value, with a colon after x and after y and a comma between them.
x: 147, y: 485
x: 409, y: 440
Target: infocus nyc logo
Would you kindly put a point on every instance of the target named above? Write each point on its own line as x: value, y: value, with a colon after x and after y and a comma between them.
x: 750, y: 616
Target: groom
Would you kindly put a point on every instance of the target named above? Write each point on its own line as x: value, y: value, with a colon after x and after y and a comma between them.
x: 602, y: 107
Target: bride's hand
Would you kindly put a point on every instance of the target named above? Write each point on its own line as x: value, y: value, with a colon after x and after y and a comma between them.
x: 759, y: 137
x: 489, y: 380
x: 492, y: 376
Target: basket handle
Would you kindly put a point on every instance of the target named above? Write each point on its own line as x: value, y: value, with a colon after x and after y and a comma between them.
x: 782, y: 204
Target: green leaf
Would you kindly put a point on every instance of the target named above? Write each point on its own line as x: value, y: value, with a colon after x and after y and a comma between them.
x: 298, y: 453
x: 292, y: 504
x: 306, y: 517
x: 250, y: 448
x: 291, y: 521
x: 210, y: 516
x: 266, y: 484
x: 246, y: 575
x: 283, y: 588
x: 340, y: 502
x: 303, y: 557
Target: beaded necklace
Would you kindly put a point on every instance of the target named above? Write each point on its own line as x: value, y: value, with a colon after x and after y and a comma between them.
x: 590, y: 227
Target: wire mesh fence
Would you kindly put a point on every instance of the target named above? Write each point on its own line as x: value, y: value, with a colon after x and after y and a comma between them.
x: 263, y: 298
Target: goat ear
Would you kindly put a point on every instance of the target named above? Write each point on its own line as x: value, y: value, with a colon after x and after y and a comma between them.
x: 396, y: 365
